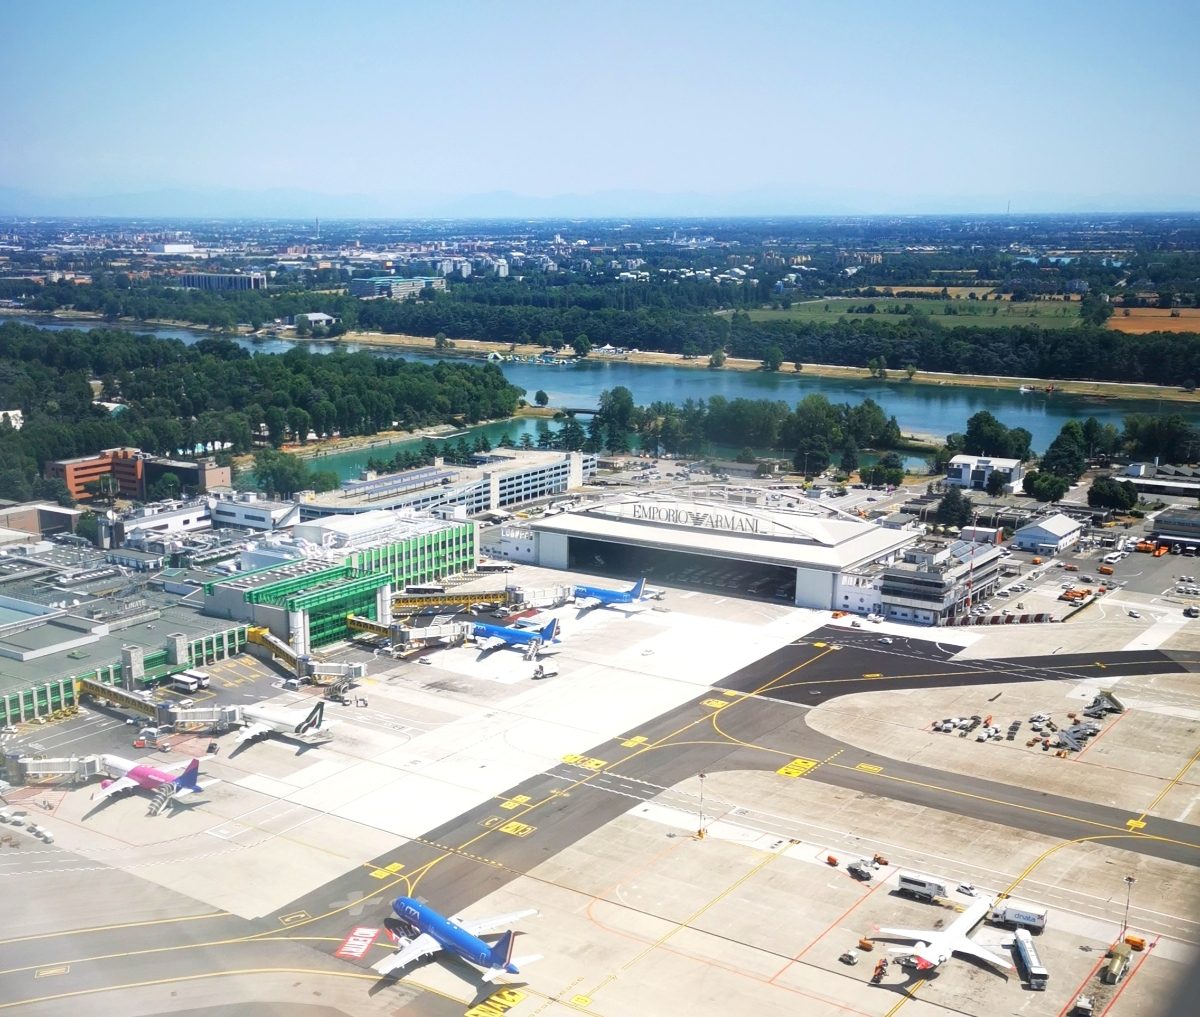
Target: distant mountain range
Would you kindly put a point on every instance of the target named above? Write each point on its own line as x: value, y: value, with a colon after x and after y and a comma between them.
x: 285, y: 203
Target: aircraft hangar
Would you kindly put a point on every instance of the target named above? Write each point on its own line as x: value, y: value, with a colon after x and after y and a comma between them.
x: 805, y: 557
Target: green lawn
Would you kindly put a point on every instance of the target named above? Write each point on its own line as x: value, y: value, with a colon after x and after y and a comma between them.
x: 970, y: 312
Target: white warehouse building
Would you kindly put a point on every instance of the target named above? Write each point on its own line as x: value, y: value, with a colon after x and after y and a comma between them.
x: 1049, y: 536
x: 973, y: 472
x: 802, y: 557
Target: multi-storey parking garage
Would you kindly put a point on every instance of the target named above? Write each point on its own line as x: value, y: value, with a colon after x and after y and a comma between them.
x: 800, y: 556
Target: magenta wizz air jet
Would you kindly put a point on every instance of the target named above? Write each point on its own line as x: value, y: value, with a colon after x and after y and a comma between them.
x: 129, y: 775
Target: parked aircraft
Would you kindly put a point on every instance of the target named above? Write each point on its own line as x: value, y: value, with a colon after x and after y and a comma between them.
x: 492, y: 637
x: 587, y: 597
x: 310, y: 727
x: 424, y: 932
x: 933, y: 947
x: 130, y: 775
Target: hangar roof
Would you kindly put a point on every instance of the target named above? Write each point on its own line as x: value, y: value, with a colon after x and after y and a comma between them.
x: 725, y: 530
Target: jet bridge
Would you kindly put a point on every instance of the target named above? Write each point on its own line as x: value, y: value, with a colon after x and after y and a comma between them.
x: 279, y: 649
x: 407, y: 605
x: 219, y: 717
x: 35, y: 769
x: 118, y: 696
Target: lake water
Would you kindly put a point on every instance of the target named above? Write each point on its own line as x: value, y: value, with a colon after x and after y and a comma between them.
x: 926, y: 409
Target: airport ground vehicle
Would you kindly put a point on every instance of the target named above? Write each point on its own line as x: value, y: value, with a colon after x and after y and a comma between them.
x: 924, y: 888
x: 1036, y: 975
x: 185, y: 682
x: 1023, y: 916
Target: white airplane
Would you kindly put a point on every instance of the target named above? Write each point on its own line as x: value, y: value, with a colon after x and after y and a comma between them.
x: 310, y: 727
x: 933, y: 947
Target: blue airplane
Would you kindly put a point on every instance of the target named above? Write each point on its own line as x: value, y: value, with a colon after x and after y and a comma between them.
x: 423, y: 932
x: 587, y: 597
x: 492, y: 637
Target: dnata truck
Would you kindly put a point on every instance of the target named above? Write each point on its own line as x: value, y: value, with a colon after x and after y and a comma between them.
x: 1021, y: 915
x: 924, y: 888
x: 1035, y: 974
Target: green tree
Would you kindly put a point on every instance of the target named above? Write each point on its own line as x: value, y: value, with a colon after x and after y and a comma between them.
x: 910, y: 371
x: 716, y: 359
x: 955, y: 509
x: 582, y: 345
x: 1108, y: 492
x: 166, y: 487
x: 541, y: 398
x: 772, y: 359
x: 995, y: 484
x: 617, y: 408
x: 88, y: 528
x: 849, y: 460
x: 1045, y: 487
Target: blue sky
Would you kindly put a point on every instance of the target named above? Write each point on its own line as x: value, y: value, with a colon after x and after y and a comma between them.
x: 771, y: 107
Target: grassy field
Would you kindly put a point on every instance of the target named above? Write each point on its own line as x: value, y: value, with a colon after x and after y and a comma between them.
x: 983, y: 314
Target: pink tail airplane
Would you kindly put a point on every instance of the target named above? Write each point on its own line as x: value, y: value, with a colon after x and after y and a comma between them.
x: 130, y: 775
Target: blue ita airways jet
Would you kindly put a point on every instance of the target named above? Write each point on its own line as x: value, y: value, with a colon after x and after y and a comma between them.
x: 421, y: 932
x: 587, y: 597
x: 492, y: 637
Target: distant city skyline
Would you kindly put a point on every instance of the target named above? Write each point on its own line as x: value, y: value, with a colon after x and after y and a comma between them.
x: 616, y: 109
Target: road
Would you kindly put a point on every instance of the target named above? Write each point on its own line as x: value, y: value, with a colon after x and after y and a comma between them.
x: 756, y: 720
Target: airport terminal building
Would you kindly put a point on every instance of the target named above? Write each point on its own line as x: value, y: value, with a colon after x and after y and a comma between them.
x: 802, y: 557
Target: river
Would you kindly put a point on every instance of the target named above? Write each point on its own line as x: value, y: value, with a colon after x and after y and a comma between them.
x: 926, y: 409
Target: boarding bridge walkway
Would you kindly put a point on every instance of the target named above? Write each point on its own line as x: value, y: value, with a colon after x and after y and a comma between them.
x: 34, y: 769
x: 219, y: 717
x: 118, y: 696
x: 403, y: 635
x: 264, y: 637
x: 409, y: 604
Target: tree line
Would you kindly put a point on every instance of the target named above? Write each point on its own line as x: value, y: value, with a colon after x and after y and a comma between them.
x: 561, y: 314
x: 170, y: 398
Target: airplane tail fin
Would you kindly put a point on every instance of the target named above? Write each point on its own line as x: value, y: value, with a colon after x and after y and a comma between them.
x: 639, y: 588
x: 550, y: 632
x: 313, y: 721
x: 186, y: 781
x: 501, y: 955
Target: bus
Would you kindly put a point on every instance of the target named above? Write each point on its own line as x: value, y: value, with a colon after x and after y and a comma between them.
x: 201, y: 676
x: 424, y: 588
x: 185, y: 682
x: 1035, y: 973
x: 494, y: 566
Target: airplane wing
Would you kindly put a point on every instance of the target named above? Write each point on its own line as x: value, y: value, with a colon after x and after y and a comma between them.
x: 489, y: 642
x: 116, y: 787
x: 587, y: 603
x: 172, y: 767
x: 482, y: 926
x: 411, y: 952
x: 254, y: 730
x: 916, y: 935
x: 973, y: 949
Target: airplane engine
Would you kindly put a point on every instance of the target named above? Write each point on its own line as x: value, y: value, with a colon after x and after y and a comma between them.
x: 105, y: 783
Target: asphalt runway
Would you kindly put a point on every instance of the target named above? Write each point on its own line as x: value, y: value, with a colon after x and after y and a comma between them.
x: 756, y: 720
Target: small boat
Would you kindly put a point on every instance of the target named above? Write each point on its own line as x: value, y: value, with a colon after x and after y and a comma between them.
x: 1026, y: 389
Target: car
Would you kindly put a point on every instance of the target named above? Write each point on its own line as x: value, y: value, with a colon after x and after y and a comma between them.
x: 8, y: 729
x: 1134, y: 614
x: 1068, y: 586
x: 968, y: 889
x: 886, y: 640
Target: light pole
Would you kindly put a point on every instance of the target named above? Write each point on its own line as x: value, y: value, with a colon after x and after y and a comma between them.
x: 1129, y: 881
x: 700, y: 831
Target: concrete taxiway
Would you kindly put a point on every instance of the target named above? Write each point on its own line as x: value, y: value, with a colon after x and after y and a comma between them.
x: 596, y: 826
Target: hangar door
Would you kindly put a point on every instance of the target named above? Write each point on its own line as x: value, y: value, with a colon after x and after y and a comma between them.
x: 682, y: 568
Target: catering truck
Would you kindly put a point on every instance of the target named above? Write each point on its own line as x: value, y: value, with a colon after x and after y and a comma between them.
x: 1024, y: 916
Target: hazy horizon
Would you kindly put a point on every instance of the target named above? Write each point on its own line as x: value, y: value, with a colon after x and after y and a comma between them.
x: 673, y: 109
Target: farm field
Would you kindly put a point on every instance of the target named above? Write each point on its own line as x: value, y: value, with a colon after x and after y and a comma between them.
x: 982, y: 314
x: 1153, y: 319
